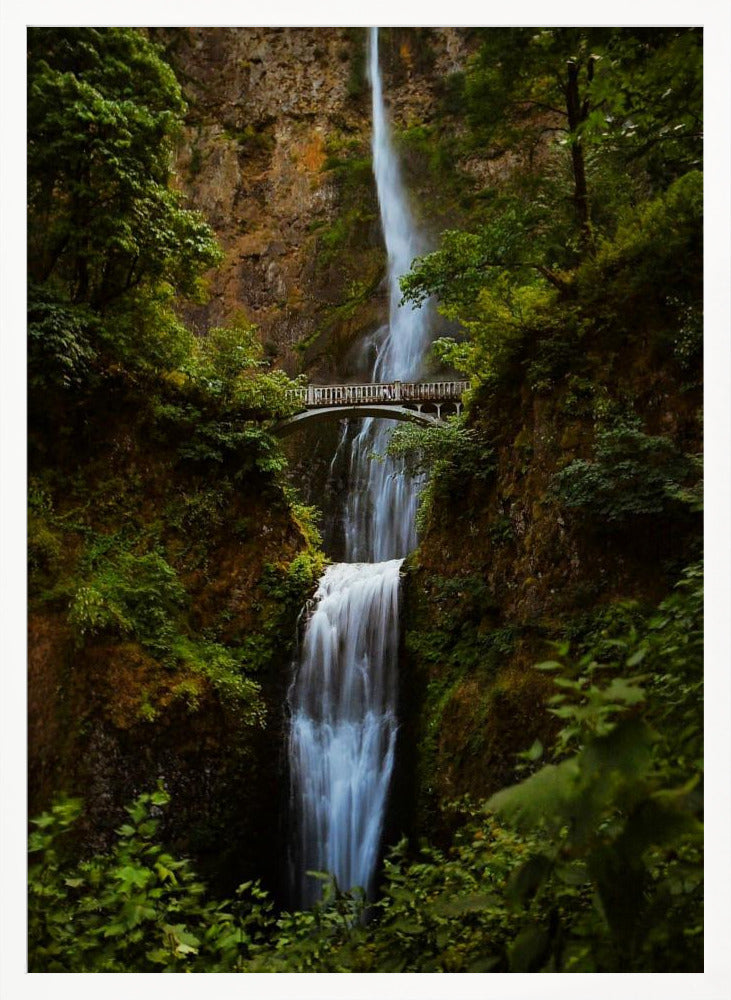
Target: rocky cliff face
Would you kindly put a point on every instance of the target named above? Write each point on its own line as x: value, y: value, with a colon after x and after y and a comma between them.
x: 276, y: 155
x: 163, y: 605
x: 505, y: 570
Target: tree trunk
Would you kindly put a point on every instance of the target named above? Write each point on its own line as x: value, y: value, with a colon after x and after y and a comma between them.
x: 576, y: 115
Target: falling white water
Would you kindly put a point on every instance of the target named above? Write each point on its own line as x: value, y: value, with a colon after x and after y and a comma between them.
x: 382, y: 497
x: 407, y: 336
x: 343, y: 731
x: 343, y: 697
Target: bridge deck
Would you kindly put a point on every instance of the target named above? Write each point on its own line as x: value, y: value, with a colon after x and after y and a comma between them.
x: 379, y: 392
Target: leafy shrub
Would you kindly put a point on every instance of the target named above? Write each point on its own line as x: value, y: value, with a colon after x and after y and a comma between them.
x: 246, y: 447
x: 590, y: 864
x: 657, y: 246
x: 44, y: 543
x: 200, y: 509
x: 130, y: 594
x: 621, y: 813
x: 228, y: 364
x: 290, y: 586
x: 450, y: 453
x: 60, y: 339
x: 501, y: 530
x: 631, y: 474
x: 224, y: 668
x: 135, y: 909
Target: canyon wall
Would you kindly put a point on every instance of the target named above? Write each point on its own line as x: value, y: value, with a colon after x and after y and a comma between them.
x: 276, y: 154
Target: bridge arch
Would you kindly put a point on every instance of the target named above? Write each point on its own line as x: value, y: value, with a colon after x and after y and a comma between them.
x: 384, y: 411
x: 410, y: 401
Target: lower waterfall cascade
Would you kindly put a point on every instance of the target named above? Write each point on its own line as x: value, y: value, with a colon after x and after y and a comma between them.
x: 343, y: 728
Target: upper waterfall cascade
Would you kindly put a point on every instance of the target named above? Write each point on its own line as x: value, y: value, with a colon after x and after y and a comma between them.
x: 343, y: 696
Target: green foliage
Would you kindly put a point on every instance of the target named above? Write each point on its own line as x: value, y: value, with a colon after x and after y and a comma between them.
x: 135, y: 909
x: 218, y: 441
x: 351, y: 166
x: 228, y: 365
x: 356, y: 53
x: 129, y: 594
x: 631, y: 474
x: 450, y: 453
x: 44, y: 543
x: 112, y: 248
x: 143, y: 332
x: 641, y: 89
x: 250, y: 140
x: 60, y: 338
x: 290, y: 586
x: 430, y: 157
x: 109, y: 239
x: 466, y: 263
x: 648, y: 91
x: 44, y: 548
x: 227, y: 670
x: 592, y: 863
x: 344, y: 233
x: 424, y: 140
x: 200, y: 509
x: 671, y: 652
x: 613, y: 298
x: 219, y: 402
x: 622, y: 811
x: 657, y: 245
x: 450, y: 440
x: 307, y: 519
x: 593, y: 239
x: 455, y: 638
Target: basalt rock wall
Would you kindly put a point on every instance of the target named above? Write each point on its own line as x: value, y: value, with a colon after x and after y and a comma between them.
x: 276, y: 154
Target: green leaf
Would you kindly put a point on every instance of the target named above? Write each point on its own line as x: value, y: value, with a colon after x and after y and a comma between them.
x: 543, y: 797
x: 530, y: 950
x: 130, y: 875
x: 625, y: 691
x: 525, y: 881
x: 535, y: 752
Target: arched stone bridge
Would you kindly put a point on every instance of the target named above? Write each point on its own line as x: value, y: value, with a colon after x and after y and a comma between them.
x: 419, y: 402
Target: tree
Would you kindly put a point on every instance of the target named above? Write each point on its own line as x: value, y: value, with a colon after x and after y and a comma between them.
x: 624, y: 90
x: 603, y: 126
x: 108, y: 236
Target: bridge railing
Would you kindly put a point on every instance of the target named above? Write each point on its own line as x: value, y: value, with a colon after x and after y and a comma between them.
x: 379, y: 392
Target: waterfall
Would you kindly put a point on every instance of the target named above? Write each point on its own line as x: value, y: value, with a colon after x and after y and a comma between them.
x: 381, y: 503
x: 343, y: 696
x: 343, y: 731
x: 407, y: 336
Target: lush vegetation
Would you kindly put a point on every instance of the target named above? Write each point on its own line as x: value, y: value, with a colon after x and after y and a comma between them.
x: 170, y: 555
x: 590, y: 863
x: 154, y: 473
x: 577, y: 289
x: 112, y: 250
